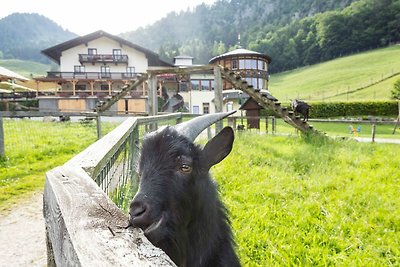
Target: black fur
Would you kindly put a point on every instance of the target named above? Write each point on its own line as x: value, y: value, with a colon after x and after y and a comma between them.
x: 301, y: 107
x: 177, y: 204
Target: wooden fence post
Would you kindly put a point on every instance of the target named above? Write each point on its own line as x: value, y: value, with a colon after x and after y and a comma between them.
x: 153, y: 101
x: 1, y: 138
x: 273, y: 121
x: 218, y: 101
x: 98, y: 124
x: 373, y: 131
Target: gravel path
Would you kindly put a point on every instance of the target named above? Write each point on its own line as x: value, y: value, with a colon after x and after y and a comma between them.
x: 22, y: 235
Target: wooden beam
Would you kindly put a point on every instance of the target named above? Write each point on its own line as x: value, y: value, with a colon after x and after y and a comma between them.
x: 218, y: 101
x: 183, y: 70
x: 1, y: 138
x: 84, y: 227
x: 152, y: 103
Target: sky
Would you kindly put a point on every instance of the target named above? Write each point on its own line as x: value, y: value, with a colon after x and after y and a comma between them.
x: 86, y: 16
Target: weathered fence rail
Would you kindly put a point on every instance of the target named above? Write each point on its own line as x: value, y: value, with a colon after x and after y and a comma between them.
x: 84, y: 227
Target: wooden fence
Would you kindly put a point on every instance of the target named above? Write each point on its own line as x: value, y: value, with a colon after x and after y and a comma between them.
x: 84, y: 227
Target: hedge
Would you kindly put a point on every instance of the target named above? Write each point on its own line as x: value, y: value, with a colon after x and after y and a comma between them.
x: 349, y: 109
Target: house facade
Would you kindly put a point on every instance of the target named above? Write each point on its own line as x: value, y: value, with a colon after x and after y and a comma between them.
x: 95, y: 67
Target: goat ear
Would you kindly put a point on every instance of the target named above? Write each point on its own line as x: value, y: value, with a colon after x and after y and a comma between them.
x: 218, y: 147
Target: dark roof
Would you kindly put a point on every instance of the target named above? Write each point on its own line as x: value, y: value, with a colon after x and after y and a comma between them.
x: 240, y: 52
x: 55, y: 52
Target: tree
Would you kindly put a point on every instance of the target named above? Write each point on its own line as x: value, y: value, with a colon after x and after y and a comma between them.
x: 396, y: 90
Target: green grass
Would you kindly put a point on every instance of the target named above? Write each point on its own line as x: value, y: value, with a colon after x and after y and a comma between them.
x: 332, y: 80
x: 34, y: 147
x: 305, y: 202
x: 26, y: 68
x: 332, y: 129
x: 293, y: 201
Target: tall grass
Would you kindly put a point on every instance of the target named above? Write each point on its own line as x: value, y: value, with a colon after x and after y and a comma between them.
x: 312, y: 202
x: 34, y: 147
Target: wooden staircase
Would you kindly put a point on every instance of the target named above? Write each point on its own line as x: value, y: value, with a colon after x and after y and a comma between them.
x: 107, y: 104
x: 267, y: 103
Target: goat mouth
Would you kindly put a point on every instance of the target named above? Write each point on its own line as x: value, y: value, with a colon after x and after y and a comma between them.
x: 155, y: 226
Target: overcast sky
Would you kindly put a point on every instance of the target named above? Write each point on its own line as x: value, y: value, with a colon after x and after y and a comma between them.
x: 86, y: 16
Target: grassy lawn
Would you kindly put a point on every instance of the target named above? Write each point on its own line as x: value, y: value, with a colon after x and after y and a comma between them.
x: 25, y: 68
x: 333, y: 79
x: 293, y: 201
x: 34, y: 147
x: 332, y: 129
x: 298, y: 202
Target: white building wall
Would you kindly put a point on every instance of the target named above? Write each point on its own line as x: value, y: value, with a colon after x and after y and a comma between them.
x: 195, y: 100
x: 104, y: 45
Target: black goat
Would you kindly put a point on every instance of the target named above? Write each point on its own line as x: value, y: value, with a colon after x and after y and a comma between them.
x: 301, y: 107
x: 177, y: 204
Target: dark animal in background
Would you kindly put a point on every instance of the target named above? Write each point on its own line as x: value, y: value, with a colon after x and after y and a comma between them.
x: 301, y: 107
x: 177, y: 203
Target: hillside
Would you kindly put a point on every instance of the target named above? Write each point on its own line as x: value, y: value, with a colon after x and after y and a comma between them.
x: 362, y: 76
x: 23, y: 36
x: 27, y: 68
x: 293, y: 33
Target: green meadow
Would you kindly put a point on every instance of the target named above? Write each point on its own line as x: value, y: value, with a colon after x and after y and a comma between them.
x: 312, y: 202
x: 25, y: 68
x: 293, y: 200
x: 364, y: 76
x: 34, y: 147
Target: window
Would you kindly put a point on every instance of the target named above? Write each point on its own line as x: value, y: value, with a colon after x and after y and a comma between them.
x: 195, y: 85
x: 117, y: 54
x: 248, y: 63
x: 183, y: 87
x: 234, y: 64
x: 261, y: 65
x: 196, y: 110
x: 104, y: 87
x: 130, y: 72
x: 92, y: 51
x: 80, y: 87
x: 241, y: 64
x: 206, y: 108
x: 79, y: 68
x: 254, y: 64
x: 229, y: 106
x: 205, y: 85
x: 105, y: 72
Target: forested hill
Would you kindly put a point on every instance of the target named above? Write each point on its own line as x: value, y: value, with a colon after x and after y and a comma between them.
x: 23, y: 36
x: 293, y: 33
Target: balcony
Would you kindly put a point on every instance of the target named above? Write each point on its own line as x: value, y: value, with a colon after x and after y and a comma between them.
x: 54, y: 76
x: 103, y: 58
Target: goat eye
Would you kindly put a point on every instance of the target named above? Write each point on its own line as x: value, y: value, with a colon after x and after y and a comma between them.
x: 186, y: 168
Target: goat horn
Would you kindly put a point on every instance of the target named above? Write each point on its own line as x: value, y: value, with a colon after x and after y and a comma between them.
x: 191, y: 129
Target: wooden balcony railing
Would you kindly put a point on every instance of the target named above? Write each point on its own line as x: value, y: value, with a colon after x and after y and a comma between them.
x: 92, y: 75
x: 103, y: 58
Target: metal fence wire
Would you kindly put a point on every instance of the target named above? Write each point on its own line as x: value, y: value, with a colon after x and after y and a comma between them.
x: 118, y: 176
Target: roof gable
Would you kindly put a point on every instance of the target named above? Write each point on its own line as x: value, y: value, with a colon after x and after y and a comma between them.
x: 55, y: 52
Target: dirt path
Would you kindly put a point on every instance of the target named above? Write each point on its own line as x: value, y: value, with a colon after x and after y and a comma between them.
x: 22, y: 235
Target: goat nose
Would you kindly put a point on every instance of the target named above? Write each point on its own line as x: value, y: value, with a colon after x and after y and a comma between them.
x: 137, y: 209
